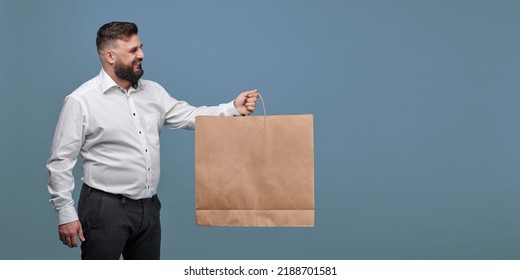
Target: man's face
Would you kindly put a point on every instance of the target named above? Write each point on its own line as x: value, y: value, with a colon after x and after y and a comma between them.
x: 128, y: 58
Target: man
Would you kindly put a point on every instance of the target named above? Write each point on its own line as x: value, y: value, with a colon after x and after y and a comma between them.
x: 114, y: 121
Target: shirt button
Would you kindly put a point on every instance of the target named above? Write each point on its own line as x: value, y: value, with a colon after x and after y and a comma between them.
x: 134, y: 114
x: 146, y: 150
x: 139, y: 132
x: 148, y: 169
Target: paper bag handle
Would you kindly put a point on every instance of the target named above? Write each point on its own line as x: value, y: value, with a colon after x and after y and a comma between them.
x: 263, y: 104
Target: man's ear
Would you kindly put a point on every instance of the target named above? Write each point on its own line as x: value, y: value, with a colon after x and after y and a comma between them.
x: 109, y: 57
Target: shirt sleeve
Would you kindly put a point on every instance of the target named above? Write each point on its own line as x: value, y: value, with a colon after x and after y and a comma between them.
x: 180, y: 114
x: 66, y: 145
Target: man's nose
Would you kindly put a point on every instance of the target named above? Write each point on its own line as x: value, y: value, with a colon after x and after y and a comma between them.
x: 140, y: 54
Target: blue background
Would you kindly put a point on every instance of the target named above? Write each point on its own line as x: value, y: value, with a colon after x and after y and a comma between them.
x: 414, y: 102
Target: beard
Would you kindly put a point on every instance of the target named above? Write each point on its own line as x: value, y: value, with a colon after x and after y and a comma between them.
x: 127, y: 73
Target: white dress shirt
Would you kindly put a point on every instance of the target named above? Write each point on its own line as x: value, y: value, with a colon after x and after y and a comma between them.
x: 117, y: 133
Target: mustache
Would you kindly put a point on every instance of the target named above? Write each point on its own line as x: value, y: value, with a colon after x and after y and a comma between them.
x: 139, y: 62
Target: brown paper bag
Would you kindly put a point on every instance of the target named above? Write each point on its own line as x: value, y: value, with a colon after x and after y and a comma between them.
x: 254, y: 171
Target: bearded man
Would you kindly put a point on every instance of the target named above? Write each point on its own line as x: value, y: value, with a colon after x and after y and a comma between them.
x: 114, y: 121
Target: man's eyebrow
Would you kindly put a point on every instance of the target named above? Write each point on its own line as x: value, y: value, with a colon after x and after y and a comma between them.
x: 135, y: 48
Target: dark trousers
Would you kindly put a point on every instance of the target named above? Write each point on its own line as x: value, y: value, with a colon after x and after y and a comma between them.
x: 116, y: 226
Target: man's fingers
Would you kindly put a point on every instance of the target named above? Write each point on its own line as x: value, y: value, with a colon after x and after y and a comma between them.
x: 81, y: 237
x: 250, y: 94
x: 246, y: 101
x: 73, y: 242
x: 66, y: 241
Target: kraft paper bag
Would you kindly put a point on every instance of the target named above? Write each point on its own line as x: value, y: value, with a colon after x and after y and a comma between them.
x: 254, y: 171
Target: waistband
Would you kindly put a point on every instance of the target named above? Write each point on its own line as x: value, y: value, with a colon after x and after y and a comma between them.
x: 120, y: 197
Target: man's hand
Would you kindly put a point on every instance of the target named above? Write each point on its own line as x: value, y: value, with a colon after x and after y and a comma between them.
x: 68, y: 233
x: 245, y: 103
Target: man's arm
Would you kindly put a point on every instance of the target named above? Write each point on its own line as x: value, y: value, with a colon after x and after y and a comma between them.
x: 68, y: 139
x: 179, y: 114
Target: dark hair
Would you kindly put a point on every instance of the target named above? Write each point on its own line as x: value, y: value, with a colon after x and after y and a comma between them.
x: 112, y: 31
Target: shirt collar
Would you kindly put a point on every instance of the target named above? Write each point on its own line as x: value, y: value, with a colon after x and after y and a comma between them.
x: 107, y: 82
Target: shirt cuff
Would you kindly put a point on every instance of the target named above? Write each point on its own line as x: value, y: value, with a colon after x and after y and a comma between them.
x: 67, y: 215
x: 230, y: 110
